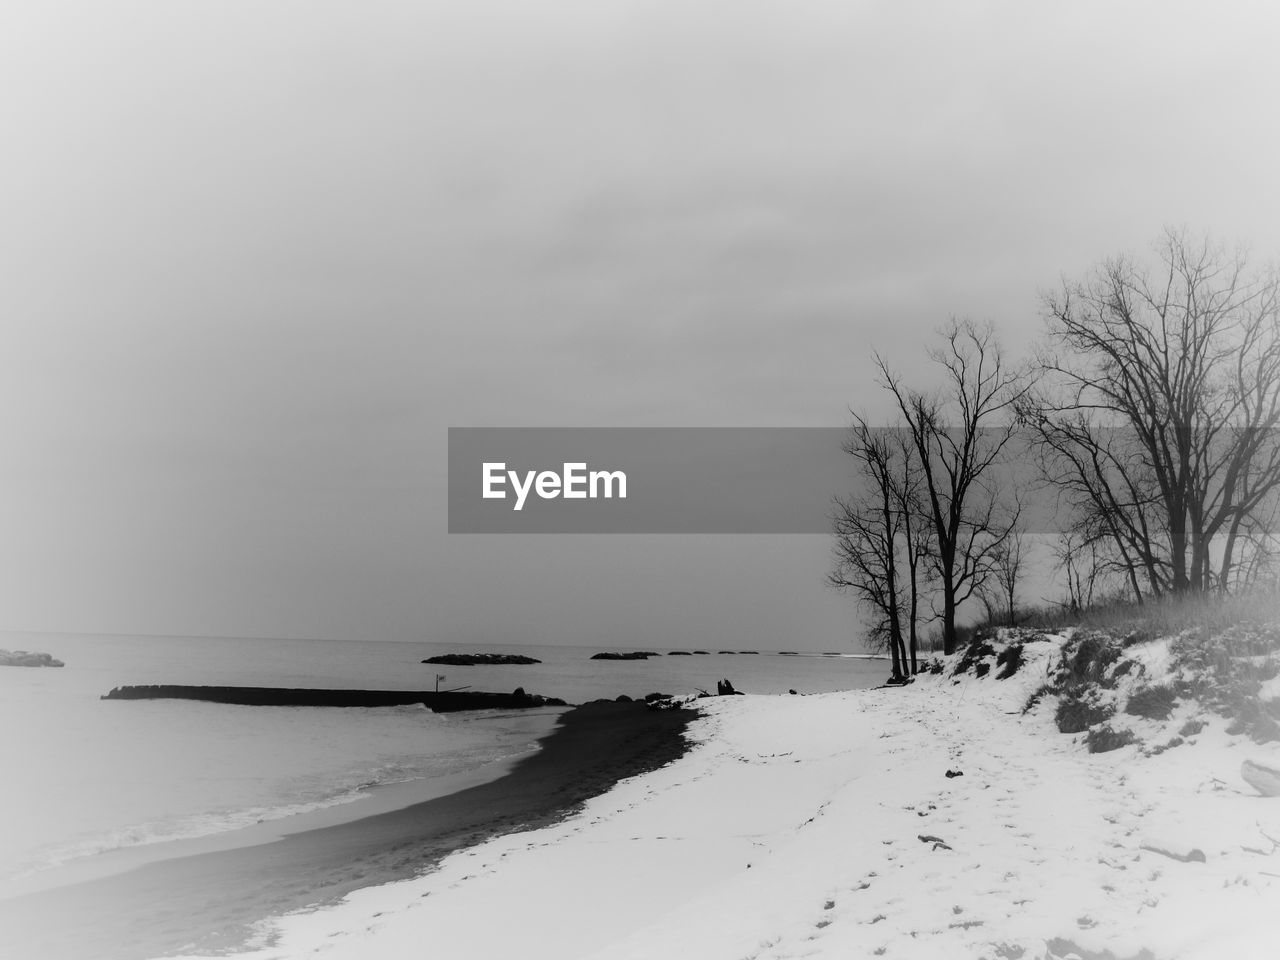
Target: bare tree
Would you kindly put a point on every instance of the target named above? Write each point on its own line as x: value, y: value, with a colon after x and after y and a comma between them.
x: 917, y: 536
x: 959, y: 434
x: 1111, y: 501
x: 1163, y: 409
x: 1079, y: 558
x: 1008, y: 567
x: 874, y: 538
x: 1251, y: 556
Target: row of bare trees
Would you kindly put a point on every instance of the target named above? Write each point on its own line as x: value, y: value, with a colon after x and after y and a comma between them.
x: 1151, y: 413
x: 928, y: 523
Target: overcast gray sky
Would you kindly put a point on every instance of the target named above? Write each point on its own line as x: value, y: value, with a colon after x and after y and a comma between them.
x: 256, y: 257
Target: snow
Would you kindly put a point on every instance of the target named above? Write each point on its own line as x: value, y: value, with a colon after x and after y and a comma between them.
x: 809, y: 826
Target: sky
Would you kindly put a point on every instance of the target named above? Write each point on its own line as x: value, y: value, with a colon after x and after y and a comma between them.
x: 257, y: 258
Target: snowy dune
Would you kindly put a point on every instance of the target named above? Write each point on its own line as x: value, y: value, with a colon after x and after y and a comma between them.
x: 826, y: 826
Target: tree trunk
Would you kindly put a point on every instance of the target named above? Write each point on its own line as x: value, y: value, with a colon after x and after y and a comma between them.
x: 948, y: 617
x: 1228, y: 557
x: 1179, y: 583
x: 894, y: 643
x: 911, y: 626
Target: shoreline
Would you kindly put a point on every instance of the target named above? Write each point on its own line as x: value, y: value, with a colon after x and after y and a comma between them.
x: 210, y: 900
x: 376, y: 799
x: 947, y: 818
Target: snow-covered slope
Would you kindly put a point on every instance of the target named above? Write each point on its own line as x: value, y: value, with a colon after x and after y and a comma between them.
x: 828, y: 826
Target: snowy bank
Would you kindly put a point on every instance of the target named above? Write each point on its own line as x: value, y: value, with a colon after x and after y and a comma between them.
x: 939, y: 820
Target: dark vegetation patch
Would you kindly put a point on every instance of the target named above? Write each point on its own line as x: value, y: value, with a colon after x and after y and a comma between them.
x: 1154, y: 703
x: 1076, y: 713
x: 981, y: 669
x: 1191, y: 727
x: 1009, y: 660
x: 1157, y: 750
x: 1062, y: 947
x: 977, y: 651
x: 1084, y: 668
x: 1265, y: 729
x: 1135, y: 637
x: 1126, y: 667
x: 1036, y: 696
x: 1086, y: 660
x: 1225, y: 672
x: 1224, y: 650
x: 1104, y: 739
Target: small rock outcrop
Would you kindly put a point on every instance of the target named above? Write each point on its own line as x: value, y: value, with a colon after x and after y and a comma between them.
x: 632, y: 655
x: 725, y: 689
x: 480, y: 659
x: 23, y: 658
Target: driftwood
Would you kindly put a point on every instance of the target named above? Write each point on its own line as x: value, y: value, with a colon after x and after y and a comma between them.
x: 1262, y: 776
x: 1173, y: 852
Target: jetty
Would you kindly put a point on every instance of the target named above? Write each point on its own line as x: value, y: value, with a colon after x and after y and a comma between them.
x: 444, y: 701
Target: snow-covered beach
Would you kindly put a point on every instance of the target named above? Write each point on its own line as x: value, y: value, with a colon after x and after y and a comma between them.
x: 829, y: 826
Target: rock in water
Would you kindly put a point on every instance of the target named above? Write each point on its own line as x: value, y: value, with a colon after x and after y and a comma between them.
x: 1263, y: 776
x: 21, y: 658
x: 480, y: 659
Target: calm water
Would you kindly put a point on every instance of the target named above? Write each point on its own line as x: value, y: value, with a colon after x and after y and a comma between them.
x: 84, y: 776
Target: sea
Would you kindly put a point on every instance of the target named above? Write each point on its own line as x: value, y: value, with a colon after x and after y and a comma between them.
x: 89, y: 782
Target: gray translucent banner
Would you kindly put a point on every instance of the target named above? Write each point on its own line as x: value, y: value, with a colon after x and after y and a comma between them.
x: 677, y: 480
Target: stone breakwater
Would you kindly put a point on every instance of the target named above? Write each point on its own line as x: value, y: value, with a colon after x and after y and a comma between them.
x: 481, y: 659
x: 439, y: 702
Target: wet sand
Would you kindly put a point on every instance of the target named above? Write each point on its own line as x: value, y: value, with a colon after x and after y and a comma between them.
x: 207, y: 902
